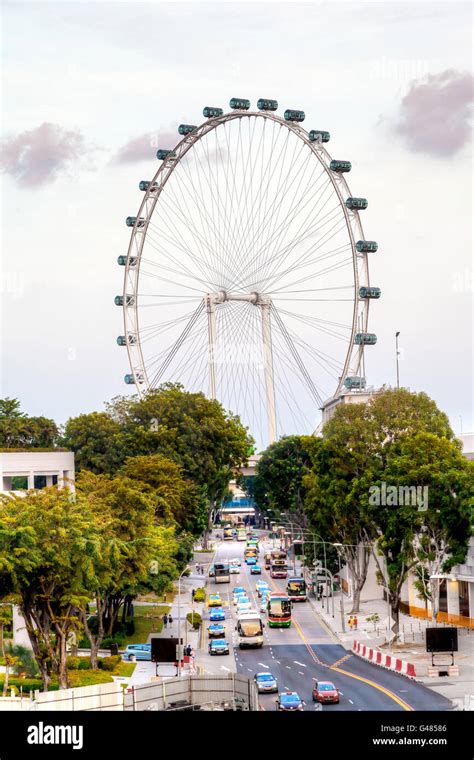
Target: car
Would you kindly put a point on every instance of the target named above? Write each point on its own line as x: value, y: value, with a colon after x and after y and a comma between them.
x: 139, y: 651
x: 325, y: 691
x: 216, y: 615
x: 235, y: 561
x: 243, y: 604
x: 255, y: 570
x: 289, y: 700
x: 261, y: 587
x: 219, y: 646
x: 216, y: 630
x: 266, y: 683
x: 211, y: 572
x: 239, y: 596
x: 251, y: 560
x: 234, y: 569
x: 238, y: 590
x: 263, y: 603
x: 214, y: 600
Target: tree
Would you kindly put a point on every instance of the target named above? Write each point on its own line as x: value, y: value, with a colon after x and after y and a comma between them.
x: 10, y: 661
x: 10, y: 408
x: 18, y: 431
x: 281, y: 472
x: 359, y: 444
x: 176, y: 498
x: 135, y: 554
x: 97, y: 441
x: 189, y: 429
x: 48, y: 542
x: 5, y: 620
x: 442, y: 520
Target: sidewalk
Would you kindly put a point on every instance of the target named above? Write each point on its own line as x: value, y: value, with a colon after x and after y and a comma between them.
x: 411, y: 647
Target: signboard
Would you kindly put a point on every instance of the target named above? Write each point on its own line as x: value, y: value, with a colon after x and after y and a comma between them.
x: 441, y: 640
x: 164, y: 650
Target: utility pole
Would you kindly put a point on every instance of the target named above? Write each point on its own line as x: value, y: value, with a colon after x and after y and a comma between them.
x: 342, y: 595
x: 398, y: 354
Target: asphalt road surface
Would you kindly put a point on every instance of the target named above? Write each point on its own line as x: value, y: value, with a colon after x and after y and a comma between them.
x: 309, y: 651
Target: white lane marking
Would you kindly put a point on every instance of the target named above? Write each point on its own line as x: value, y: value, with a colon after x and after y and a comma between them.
x: 301, y: 672
x: 223, y: 667
x: 264, y: 666
x: 289, y: 667
x: 351, y: 701
x: 287, y: 687
x: 299, y: 663
x: 278, y: 661
x: 341, y: 693
x: 249, y: 669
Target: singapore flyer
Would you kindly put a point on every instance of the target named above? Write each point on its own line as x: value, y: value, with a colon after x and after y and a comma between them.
x: 247, y: 272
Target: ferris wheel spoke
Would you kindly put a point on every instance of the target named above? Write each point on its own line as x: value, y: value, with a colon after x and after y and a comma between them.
x: 275, y: 230
x: 177, y: 346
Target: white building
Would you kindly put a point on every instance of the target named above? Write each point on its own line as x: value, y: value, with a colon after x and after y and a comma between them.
x: 24, y: 470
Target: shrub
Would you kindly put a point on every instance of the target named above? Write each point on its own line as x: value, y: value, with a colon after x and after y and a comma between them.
x: 109, y: 663
x: 130, y: 627
x: 200, y: 595
x: 195, y: 619
x: 84, y: 663
x: 73, y: 663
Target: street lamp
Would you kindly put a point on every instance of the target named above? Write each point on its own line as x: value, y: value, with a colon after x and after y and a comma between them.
x: 179, y: 621
x: 398, y: 353
x: 342, y: 592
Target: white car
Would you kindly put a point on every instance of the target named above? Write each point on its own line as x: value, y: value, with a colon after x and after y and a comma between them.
x: 238, y: 597
x: 234, y: 569
x: 263, y: 603
x: 235, y: 561
x: 261, y: 587
x: 243, y: 605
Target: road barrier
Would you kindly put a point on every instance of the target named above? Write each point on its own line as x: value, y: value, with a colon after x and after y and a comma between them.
x: 383, y: 660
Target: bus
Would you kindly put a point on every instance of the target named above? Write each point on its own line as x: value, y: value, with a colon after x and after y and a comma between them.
x: 267, y: 560
x: 221, y: 572
x: 241, y: 535
x: 249, y: 629
x: 296, y: 589
x: 278, y: 568
x: 228, y: 534
x: 279, y: 611
x: 278, y: 554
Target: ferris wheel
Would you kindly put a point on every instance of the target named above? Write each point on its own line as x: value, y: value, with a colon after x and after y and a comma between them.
x: 247, y: 271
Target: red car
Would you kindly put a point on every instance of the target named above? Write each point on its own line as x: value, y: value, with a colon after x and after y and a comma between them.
x: 325, y: 691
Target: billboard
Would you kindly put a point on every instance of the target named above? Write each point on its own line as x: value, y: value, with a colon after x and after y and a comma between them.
x: 164, y: 650
x: 441, y: 639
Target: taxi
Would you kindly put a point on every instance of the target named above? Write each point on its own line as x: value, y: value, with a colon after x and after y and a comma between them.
x: 214, y: 600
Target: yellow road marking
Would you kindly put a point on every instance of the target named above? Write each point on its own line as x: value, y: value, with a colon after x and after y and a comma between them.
x: 404, y: 705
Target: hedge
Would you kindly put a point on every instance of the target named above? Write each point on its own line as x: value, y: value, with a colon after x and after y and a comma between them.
x: 195, y: 619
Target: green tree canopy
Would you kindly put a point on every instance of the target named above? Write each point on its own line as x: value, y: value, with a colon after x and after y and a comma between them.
x: 19, y: 431
x: 97, y: 441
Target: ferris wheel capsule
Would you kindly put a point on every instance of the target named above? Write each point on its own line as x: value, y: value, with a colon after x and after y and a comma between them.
x: 318, y: 134
x: 210, y: 112
x: 293, y: 115
x: 186, y: 129
x: 267, y: 105
x: 366, y: 246
x: 371, y: 292
x: 340, y: 166
x: 357, y: 204
x: 240, y: 104
x: 365, y: 339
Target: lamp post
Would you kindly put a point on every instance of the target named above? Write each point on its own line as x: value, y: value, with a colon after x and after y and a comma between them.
x: 342, y: 592
x: 180, y: 651
x: 398, y: 353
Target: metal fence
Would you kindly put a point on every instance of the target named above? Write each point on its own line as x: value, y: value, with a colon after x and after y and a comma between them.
x: 219, y: 692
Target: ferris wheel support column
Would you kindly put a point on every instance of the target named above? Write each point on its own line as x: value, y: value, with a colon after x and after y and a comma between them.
x: 212, y: 333
x: 268, y: 367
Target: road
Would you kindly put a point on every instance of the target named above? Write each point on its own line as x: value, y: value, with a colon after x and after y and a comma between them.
x: 309, y: 651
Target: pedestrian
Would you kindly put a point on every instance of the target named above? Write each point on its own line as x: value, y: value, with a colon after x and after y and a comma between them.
x: 164, y: 597
x: 165, y: 620
x: 170, y: 619
x: 355, y: 621
x: 351, y: 622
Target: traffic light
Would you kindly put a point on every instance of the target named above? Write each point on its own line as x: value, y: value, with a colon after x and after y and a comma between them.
x: 298, y: 548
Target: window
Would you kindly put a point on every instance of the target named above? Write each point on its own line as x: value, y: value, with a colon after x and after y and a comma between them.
x: 40, y: 481
x: 19, y: 483
x: 463, y: 587
x: 443, y: 596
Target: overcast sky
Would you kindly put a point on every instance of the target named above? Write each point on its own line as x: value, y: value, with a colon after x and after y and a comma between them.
x: 85, y: 85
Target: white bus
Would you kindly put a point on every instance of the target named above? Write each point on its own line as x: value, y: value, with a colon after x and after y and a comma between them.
x: 249, y: 629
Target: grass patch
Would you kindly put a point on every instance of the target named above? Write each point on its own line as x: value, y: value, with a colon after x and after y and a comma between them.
x: 152, y: 597
x: 125, y: 669
x: 147, y: 620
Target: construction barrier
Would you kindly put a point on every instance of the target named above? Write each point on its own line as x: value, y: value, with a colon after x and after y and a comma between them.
x: 385, y: 660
